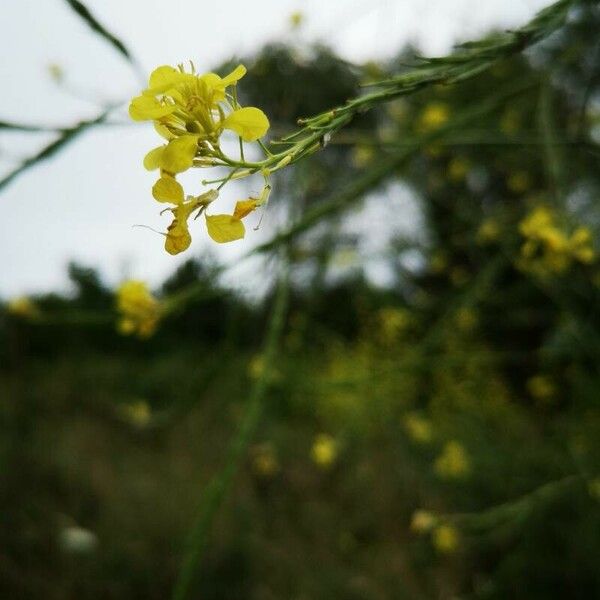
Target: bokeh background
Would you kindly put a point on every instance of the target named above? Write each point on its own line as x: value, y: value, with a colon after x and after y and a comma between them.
x: 431, y: 419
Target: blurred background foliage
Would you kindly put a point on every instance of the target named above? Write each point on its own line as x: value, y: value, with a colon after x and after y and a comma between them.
x: 436, y: 436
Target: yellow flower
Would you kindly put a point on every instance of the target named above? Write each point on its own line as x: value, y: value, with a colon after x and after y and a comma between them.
x: 580, y: 245
x: 594, y: 488
x: 489, y: 231
x: 324, y: 451
x: 56, y: 72
x: 445, y: 539
x: 296, y: 19
x: 139, y: 310
x: 458, y: 169
x: 23, y: 307
x: 433, y: 116
x: 541, y: 387
x: 419, y: 428
x: 547, y: 248
x: 392, y: 323
x: 422, y: 521
x: 518, y: 182
x: 190, y: 112
x: 138, y: 413
x: 453, y: 462
x: 362, y: 156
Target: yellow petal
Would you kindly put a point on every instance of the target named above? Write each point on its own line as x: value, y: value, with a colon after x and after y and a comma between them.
x: 178, y: 238
x: 224, y: 228
x: 166, y: 189
x: 179, y: 154
x: 153, y: 158
x: 164, y: 78
x: 234, y: 76
x: 243, y: 208
x: 163, y: 130
x: 249, y: 123
x: 147, y: 108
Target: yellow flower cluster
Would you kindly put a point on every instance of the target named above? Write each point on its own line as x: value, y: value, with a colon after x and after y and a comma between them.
x: 191, y: 112
x: 434, y: 115
x: 324, y: 451
x: 139, y: 309
x: 453, y: 462
x: 547, y: 248
x: 22, y: 307
x: 392, y: 322
x: 541, y: 388
x: 418, y: 428
x: 137, y: 413
x: 445, y: 539
x: 422, y: 521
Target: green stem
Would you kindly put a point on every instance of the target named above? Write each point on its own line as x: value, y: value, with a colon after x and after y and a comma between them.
x: 220, y: 484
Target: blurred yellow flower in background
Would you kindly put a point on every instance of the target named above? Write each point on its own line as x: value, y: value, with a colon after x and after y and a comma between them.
x: 422, y: 521
x: 518, y: 182
x: 138, y: 413
x: 547, y: 248
x: 458, y: 169
x: 418, y: 428
x: 139, y: 309
x: 488, y: 232
x: 445, y: 539
x: 22, y: 307
x: 324, y: 451
x: 541, y: 387
x: 296, y: 19
x: 434, y: 115
x: 453, y: 462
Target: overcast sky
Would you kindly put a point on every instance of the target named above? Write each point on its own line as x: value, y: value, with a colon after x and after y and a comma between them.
x: 82, y: 203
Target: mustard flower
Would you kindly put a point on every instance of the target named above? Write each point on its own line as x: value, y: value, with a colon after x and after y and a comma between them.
x: 138, y: 413
x: 453, y: 462
x: 324, y: 451
x: 445, y: 539
x: 541, y: 388
x: 548, y: 248
x: 422, y: 521
x: 23, y: 308
x: 434, y: 115
x: 139, y: 309
x: 191, y: 112
x: 418, y: 428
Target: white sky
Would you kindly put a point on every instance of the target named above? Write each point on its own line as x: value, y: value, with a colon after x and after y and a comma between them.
x: 82, y: 203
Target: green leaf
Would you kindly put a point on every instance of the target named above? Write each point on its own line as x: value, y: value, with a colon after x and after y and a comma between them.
x: 67, y: 135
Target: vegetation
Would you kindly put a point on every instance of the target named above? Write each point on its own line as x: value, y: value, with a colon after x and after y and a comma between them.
x: 433, y: 433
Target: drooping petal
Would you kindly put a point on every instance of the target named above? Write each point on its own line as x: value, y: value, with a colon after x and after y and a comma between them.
x: 244, y: 207
x: 148, y: 108
x: 153, y: 158
x: 224, y: 228
x: 179, y: 154
x: 178, y: 237
x: 249, y: 123
x: 167, y: 189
